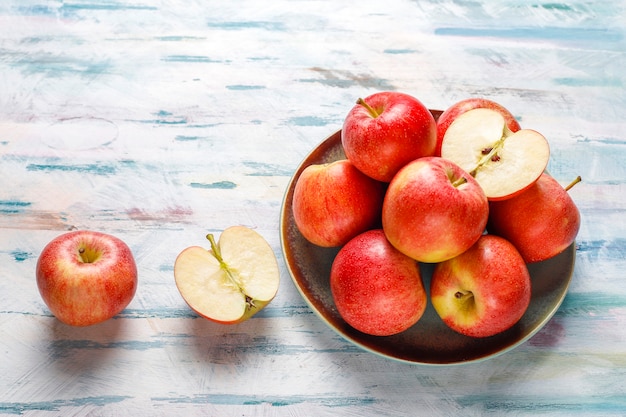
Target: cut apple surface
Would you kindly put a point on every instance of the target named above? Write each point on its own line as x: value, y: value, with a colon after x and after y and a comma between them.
x: 503, y: 162
x: 233, y: 280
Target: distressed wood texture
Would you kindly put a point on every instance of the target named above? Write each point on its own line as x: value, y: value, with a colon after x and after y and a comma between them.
x: 162, y: 121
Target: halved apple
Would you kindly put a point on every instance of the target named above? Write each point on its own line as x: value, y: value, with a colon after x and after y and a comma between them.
x: 233, y: 280
x: 503, y: 162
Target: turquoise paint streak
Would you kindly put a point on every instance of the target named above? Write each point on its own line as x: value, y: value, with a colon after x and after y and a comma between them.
x: 241, y: 87
x: 598, y: 405
x: 190, y: 59
x: 86, y: 168
x: 220, y: 185
x: 13, y: 206
x: 242, y: 25
x: 309, y: 121
x: 399, y: 51
x: 233, y: 399
x: 19, y: 408
x: 542, y: 33
x: 21, y: 256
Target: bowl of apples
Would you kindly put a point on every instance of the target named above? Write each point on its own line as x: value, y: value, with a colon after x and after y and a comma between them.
x: 430, y: 237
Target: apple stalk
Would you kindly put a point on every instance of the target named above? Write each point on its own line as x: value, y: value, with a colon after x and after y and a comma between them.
x: 234, y: 281
x: 369, y: 108
x: 573, y: 183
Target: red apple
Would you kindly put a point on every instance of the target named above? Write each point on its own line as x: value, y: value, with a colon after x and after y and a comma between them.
x: 376, y: 289
x: 334, y: 202
x: 385, y: 131
x: 86, y: 277
x: 503, y: 162
x: 541, y: 222
x: 451, y: 113
x: 484, y: 291
x: 434, y: 210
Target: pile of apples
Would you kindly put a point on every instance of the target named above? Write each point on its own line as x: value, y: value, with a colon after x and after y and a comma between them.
x: 468, y: 192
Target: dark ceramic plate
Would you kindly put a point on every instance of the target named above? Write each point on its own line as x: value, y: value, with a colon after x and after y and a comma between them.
x: 429, y: 341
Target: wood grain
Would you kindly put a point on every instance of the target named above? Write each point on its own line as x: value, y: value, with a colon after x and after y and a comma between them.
x: 162, y: 121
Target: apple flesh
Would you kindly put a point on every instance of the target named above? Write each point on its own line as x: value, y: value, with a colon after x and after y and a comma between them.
x: 332, y: 203
x: 503, y: 162
x: 86, y: 277
x: 385, y: 131
x: 434, y: 210
x: 451, y: 113
x: 484, y: 291
x: 233, y: 280
x: 541, y: 222
x: 376, y: 289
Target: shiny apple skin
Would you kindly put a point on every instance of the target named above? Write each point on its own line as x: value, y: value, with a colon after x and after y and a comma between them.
x: 377, y: 289
x: 495, y: 273
x: 85, y: 293
x: 541, y: 222
x: 379, y: 146
x: 429, y: 219
x: 332, y: 203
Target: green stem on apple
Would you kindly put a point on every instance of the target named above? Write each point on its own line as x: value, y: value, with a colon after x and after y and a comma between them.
x: 573, y: 183
x: 369, y: 108
x: 459, y: 181
x: 218, y: 255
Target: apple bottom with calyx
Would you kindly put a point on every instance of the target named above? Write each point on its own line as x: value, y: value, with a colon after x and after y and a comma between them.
x: 86, y: 277
x: 484, y: 291
x: 376, y: 289
x: 233, y: 280
x: 541, y: 222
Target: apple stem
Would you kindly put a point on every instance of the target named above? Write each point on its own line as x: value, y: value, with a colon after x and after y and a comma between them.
x: 218, y: 255
x: 369, y: 108
x: 459, y: 181
x: 573, y: 183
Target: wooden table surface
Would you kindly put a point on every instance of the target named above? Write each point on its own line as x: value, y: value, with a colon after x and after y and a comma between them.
x: 159, y: 122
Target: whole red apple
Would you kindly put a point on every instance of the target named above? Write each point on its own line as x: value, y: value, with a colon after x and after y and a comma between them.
x: 86, y: 277
x: 451, y: 113
x: 434, y: 210
x: 376, y: 289
x: 334, y: 202
x: 541, y: 222
x: 484, y: 291
x: 385, y: 131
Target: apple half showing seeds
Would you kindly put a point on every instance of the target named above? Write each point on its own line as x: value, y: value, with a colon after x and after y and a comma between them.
x: 233, y: 280
x: 503, y: 162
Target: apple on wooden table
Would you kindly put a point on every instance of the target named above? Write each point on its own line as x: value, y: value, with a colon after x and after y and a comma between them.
x: 377, y: 289
x: 434, y: 210
x: 233, y: 280
x: 503, y: 162
x: 484, y: 291
x: 334, y: 202
x: 541, y: 222
x: 86, y: 277
x: 385, y: 131
x: 451, y: 113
